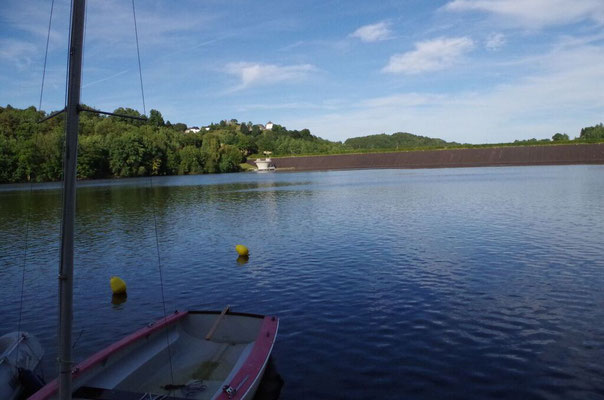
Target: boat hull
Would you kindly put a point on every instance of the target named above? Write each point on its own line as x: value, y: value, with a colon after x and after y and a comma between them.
x: 194, y: 355
x: 18, y: 350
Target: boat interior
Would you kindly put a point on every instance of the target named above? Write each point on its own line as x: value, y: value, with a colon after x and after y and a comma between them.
x: 191, y: 367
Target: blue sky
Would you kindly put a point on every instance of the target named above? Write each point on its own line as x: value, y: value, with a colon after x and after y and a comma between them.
x: 464, y: 70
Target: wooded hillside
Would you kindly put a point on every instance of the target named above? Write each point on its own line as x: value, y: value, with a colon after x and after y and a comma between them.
x: 111, y: 146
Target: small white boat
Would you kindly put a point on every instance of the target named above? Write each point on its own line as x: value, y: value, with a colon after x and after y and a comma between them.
x: 18, y: 351
x: 265, y: 164
x: 188, y: 355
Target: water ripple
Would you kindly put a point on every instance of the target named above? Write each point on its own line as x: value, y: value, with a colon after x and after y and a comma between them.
x: 464, y: 283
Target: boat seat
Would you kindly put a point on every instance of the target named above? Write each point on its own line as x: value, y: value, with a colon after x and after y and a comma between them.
x: 95, y: 393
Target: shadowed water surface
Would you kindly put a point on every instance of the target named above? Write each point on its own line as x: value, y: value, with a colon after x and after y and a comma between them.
x: 454, y: 283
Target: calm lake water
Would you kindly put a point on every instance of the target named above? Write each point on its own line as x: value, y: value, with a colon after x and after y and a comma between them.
x: 421, y: 284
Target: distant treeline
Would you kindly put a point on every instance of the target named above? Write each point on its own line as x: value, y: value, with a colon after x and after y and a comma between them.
x: 108, y: 147
x: 408, y: 141
x: 395, y: 141
x: 111, y: 146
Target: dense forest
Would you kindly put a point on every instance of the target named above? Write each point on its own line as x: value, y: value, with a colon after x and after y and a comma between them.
x: 111, y: 146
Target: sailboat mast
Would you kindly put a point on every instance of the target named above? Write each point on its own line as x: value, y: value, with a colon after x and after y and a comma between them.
x: 69, y: 197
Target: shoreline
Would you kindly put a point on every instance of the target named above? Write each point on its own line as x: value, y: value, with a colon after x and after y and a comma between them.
x: 571, y: 154
x: 449, y: 158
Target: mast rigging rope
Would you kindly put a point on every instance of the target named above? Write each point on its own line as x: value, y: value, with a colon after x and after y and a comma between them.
x: 67, y: 63
x: 161, y: 279
x: 140, y: 72
x: 52, y: 6
x: 27, y: 219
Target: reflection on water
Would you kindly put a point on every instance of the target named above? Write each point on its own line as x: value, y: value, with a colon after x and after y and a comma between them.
x: 271, y: 384
x: 392, y: 283
x: 118, y: 299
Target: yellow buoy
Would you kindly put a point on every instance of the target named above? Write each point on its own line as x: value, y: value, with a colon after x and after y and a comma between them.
x: 118, y: 286
x: 242, y: 250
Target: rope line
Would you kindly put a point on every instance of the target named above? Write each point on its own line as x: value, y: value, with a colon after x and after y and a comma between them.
x: 140, y: 72
x: 84, y: 47
x: 161, y: 278
x: 52, y: 6
x: 68, y: 51
x: 27, y: 219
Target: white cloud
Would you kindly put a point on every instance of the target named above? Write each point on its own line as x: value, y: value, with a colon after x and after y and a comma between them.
x: 495, y: 41
x: 537, y: 13
x: 431, y: 55
x: 255, y: 74
x: 563, y: 95
x: 373, y: 33
x: 17, y: 52
x: 403, y: 100
x: 110, y: 22
x: 32, y: 17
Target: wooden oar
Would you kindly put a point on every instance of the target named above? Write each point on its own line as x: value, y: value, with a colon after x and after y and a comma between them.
x: 217, y: 322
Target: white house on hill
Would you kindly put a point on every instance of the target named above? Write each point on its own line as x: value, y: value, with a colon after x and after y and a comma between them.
x: 269, y: 125
x: 193, y: 129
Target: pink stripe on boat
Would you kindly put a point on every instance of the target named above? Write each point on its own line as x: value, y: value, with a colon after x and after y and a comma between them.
x: 52, y: 387
x: 256, y: 360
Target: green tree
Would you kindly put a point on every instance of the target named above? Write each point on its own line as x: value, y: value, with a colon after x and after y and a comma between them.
x: 8, y: 159
x: 190, y: 161
x: 93, y: 158
x: 127, y: 154
x: 48, y: 157
x: 560, y: 137
x: 246, y: 144
x: 88, y: 122
x: 25, y: 161
x: 244, y: 129
x: 593, y: 132
x: 256, y: 130
x: 230, y: 158
x: 155, y: 118
x: 129, y: 112
x: 180, y: 127
x: 109, y: 126
x: 210, y: 151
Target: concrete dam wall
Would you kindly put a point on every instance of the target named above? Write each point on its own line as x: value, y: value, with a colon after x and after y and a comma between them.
x: 454, y: 158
